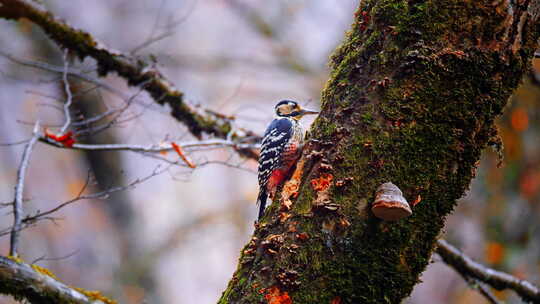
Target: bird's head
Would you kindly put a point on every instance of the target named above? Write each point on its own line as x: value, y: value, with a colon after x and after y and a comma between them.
x: 289, y: 108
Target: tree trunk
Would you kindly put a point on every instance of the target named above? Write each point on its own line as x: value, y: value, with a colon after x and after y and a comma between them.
x: 412, y: 99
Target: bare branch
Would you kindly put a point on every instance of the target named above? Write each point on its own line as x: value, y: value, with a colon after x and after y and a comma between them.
x: 24, y: 281
x: 15, y: 143
x: 64, y: 257
x: 134, y: 71
x: 19, y: 188
x: 151, y: 40
x: 215, y: 143
x: 102, y: 194
x: 496, y: 279
x: 168, y: 32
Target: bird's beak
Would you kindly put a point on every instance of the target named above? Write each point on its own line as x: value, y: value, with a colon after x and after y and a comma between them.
x: 308, y: 112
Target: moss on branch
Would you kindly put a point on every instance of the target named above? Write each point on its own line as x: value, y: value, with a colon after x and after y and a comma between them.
x: 133, y: 70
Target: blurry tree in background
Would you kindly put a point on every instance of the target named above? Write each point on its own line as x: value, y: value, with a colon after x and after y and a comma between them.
x: 133, y: 169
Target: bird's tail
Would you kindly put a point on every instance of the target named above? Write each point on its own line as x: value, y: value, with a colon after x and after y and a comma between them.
x: 261, y: 201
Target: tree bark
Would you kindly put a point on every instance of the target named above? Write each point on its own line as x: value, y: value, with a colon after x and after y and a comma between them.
x: 412, y: 98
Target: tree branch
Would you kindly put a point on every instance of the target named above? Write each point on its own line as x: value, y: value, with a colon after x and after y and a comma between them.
x: 26, y: 281
x: 28, y: 220
x: 134, y: 71
x: 19, y: 188
x: 219, y: 143
x: 497, y: 279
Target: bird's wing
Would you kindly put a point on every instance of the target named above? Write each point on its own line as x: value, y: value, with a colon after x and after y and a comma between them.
x: 275, y: 139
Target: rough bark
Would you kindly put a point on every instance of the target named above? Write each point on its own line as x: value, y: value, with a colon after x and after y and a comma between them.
x: 412, y: 99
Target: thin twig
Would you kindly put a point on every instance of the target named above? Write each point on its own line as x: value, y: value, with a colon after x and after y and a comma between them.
x: 169, y: 32
x: 58, y: 69
x: 19, y: 188
x: 45, y: 258
x: 480, y: 287
x: 69, y: 96
x: 496, y: 279
x: 102, y: 194
x: 485, y: 292
x: 20, y: 142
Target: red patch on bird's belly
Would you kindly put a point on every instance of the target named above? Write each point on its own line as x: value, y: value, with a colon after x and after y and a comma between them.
x: 275, y: 179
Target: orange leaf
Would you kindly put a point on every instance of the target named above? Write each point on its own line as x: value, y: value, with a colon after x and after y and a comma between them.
x: 529, y: 184
x: 65, y: 139
x: 519, y: 120
x: 494, y: 253
x: 336, y: 300
x: 180, y: 152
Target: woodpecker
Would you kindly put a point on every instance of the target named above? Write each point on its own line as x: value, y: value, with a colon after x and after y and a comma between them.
x: 281, y: 146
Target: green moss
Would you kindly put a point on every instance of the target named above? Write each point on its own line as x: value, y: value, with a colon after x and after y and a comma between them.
x: 417, y: 94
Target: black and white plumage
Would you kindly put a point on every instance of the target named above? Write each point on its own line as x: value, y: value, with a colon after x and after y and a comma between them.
x: 281, y: 146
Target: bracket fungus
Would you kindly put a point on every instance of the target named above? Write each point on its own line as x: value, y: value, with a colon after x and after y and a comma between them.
x: 389, y: 203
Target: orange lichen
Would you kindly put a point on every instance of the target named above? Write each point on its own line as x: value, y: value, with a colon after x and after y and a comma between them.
x: 417, y: 200
x: 292, y: 227
x: 95, y: 295
x: 283, y: 216
x: 286, y: 205
x: 290, y: 189
x: 302, y: 236
x: 44, y: 271
x: 344, y: 223
x: 15, y: 259
x: 323, y: 182
x: 275, y: 296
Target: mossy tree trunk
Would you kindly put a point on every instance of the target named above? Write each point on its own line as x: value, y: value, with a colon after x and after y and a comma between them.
x: 412, y: 99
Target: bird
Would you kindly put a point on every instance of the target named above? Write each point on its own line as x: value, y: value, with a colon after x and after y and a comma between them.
x: 280, y: 149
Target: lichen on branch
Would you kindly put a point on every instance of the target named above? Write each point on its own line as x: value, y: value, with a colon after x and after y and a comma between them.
x: 39, y: 285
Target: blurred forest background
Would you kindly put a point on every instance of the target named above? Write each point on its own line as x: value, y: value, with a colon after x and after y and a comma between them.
x: 176, y: 236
